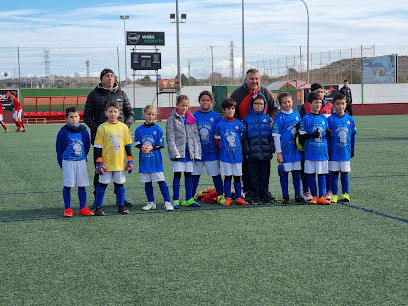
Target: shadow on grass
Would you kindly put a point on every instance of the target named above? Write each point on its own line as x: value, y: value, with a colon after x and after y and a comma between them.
x: 111, y: 210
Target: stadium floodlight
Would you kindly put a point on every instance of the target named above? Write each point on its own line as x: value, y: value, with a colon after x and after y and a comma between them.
x: 174, y: 18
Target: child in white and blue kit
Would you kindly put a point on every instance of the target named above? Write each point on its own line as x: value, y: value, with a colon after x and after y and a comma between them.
x: 149, y: 139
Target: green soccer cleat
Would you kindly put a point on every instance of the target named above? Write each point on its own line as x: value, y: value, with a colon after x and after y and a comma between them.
x: 334, y: 198
x: 221, y: 199
x: 176, y: 204
x: 190, y: 203
x: 345, y: 197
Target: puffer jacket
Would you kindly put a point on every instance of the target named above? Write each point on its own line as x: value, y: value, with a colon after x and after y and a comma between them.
x: 177, y: 134
x: 94, y: 112
x: 257, y: 143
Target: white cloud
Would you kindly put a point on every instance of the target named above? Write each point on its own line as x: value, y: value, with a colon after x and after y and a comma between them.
x: 272, y: 29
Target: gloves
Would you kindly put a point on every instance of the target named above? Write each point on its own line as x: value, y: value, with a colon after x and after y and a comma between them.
x: 352, y: 154
x: 315, y: 134
x: 100, y: 167
x: 328, y: 133
x: 129, y: 164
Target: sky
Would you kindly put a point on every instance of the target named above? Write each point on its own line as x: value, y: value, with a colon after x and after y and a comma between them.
x: 272, y: 28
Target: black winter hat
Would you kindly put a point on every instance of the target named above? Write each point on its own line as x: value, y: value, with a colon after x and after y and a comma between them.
x: 315, y: 86
x: 105, y: 71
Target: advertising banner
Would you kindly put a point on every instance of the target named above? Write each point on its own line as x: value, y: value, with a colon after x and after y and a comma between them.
x: 380, y: 69
x: 169, y: 85
x: 136, y: 38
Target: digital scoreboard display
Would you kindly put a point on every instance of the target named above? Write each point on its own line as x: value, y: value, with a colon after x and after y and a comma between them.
x: 145, y: 61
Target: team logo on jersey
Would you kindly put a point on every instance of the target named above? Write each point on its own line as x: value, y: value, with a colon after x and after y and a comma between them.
x: 154, y: 133
x: 297, y: 118
x: 264, y: 120
x: 323, y: 122
x: 237, y: 127
x: 348, y: 122
x: 212, y: 119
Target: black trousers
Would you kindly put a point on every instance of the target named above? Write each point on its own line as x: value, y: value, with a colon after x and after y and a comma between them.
x: 259, y: 171
x: 349, y: 109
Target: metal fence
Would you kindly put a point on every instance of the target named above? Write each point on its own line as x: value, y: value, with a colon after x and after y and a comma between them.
x: 210, y: 65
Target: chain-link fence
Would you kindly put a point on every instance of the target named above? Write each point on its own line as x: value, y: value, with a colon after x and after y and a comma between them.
x: 26, y: 67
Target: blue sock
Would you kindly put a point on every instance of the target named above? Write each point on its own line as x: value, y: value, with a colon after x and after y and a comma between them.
x: 195, y: 180
x: 188, y: 184
x: 100, y: 194
x: 335, y: 183
x: 164, y: 191
x: 312, y: 184
x: 120, y: 196
x: 66, y: 194
x: 227, y: 188
x: 237, y: 187
x: 345, y: 183
x: 149, y: 191
x: 305, y: 183
x: 218, y: 184
x: 284, y: 183
x: 296, y: 182
x: 322, y: 184
x: 82, y: 197
x: 176, y: 188
x: 328, y: 181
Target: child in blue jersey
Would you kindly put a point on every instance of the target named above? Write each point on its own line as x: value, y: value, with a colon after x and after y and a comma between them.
x: 72, y: 147
x: 258, y: 148
x: 284, y: 130
x: 341, y: 147
x: 149, y: 139
x: 313, y: 135
x: 207, y: 120
x: 183, y: 145
x: 228, y: 137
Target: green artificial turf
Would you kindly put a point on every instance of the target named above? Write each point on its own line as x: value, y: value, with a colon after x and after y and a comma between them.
x: 353, y: 254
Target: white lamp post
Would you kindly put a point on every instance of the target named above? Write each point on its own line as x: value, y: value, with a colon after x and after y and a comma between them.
x: 124, y: 17
x: 307, y: 61
x: 174, y: 18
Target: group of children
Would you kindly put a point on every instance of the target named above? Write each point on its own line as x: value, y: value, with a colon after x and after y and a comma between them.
x: 206, y: 140
x: 17, y: 112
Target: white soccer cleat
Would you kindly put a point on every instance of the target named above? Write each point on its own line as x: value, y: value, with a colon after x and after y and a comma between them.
x: 307, y: 196
x: 328, y: 195
x: 149, y: 206
x: 168, y: 206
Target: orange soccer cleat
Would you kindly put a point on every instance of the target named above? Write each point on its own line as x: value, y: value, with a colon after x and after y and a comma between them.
x: 227, y: 202
x: 314, y: 200
x: 241, y: 201
x: 68, y: 213
x: 323, y: 201
x: 85, y: 211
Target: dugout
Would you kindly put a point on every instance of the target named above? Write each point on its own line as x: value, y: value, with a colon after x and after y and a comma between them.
x: 295, y: 87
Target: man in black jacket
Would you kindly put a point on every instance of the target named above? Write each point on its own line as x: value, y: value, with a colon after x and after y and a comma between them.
x: 94, y: 112
x: 346, y: 91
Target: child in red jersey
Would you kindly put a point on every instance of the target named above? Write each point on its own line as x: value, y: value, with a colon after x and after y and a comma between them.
x: 1, y: 119
x: 18, y: 110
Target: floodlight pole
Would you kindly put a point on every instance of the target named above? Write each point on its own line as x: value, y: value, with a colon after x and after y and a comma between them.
x: 124, y: 30
x: 243, y: 41
x: 307, y: 61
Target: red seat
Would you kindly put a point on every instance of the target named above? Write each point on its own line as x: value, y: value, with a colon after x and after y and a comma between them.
x: 54, y: 114
x: 33, y: 114
x: 81, y: 113
x: 26, y: 114
x: 47, y: 115
x: 61, y: 115
x: 40, y: 114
